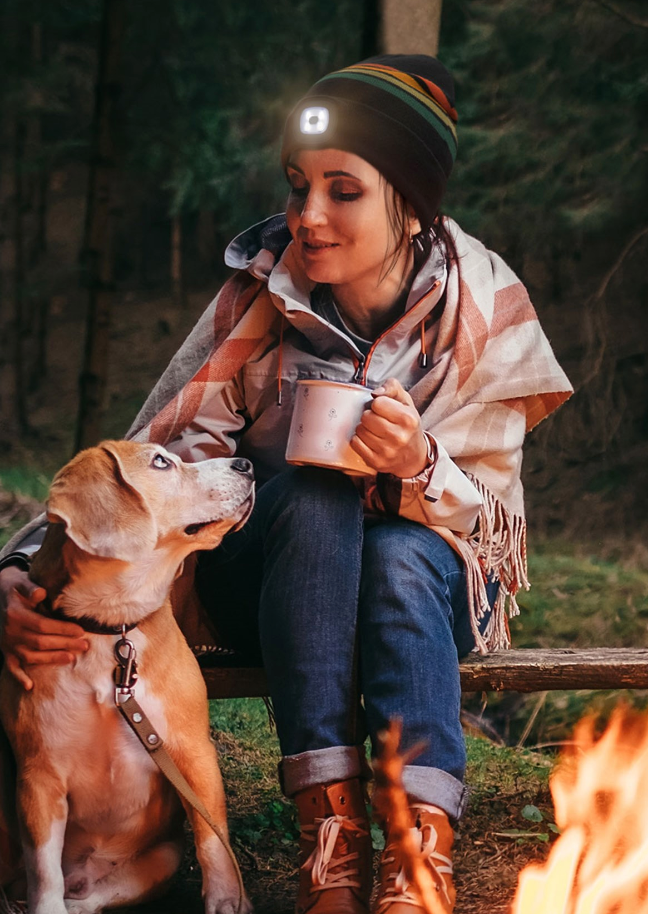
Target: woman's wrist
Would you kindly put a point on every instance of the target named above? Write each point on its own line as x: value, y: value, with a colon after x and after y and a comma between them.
x: 15, y: 560
x: 430, y: 457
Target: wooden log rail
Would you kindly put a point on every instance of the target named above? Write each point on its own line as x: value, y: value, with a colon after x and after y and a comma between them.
x: 516, y: 671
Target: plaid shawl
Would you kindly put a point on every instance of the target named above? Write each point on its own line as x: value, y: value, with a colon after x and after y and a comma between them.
x: 491, y: 359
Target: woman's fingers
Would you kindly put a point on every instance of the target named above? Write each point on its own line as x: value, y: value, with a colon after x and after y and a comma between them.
x: 393, y: 389
x: 13, y: 665
x: 32, y: 594
x: 13, y: 581
x: 26, y: 619
x: 42, y: 657
x: 31, y: 638
x: 27, y: 628
x: 389, y: 436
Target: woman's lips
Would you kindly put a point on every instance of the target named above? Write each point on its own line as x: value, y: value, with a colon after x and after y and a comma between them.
x: 317, y: 247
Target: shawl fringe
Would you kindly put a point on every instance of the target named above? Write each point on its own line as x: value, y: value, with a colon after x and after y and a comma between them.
x: 496, y: 550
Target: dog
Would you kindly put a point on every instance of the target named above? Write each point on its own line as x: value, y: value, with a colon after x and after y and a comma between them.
x: 99, y: 825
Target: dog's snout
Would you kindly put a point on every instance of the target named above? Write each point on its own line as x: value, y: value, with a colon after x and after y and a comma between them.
x: 241, y: 465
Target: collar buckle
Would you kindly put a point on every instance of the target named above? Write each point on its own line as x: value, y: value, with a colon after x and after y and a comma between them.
x: 125, y: 673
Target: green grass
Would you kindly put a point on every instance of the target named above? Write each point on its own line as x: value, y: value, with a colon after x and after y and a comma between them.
x: 30, y: 488
x: 581, y: 601
x: 25, y: 481
x: 504, y: 771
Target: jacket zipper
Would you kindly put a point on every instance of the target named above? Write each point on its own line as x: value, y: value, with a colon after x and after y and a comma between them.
x: 360, y: 376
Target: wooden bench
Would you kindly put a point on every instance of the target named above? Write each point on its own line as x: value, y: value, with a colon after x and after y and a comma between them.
x: 516, y: 670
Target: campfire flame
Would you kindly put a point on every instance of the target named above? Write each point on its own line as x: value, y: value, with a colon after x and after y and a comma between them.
x: 599, y: 865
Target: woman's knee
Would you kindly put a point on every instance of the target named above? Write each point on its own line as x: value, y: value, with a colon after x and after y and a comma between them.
x: 400, y: 547
x: 303, y: 494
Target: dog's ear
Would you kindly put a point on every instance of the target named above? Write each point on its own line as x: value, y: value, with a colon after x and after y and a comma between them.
x: 103, y: 512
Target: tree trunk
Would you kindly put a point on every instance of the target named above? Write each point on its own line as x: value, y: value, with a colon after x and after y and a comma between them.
x: 21, y: 370
x: 371, y: 28
x: 39, y: 182
x: 410, y: 26
x: 9, y: 306
x: 97, y: 255
x: 206, y: 237
x: 40, y: 332
x: 177, y: 287
x: 141, y: 251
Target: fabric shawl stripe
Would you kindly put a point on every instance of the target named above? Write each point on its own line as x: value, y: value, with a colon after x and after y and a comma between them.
x: 239, y: 321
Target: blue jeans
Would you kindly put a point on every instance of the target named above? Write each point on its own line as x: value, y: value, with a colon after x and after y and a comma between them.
x: 339, y: 607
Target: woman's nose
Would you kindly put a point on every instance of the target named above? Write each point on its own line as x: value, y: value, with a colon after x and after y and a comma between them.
x: 313, y: 212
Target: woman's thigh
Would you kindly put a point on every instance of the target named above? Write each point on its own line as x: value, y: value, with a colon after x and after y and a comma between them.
x: 298, y: 554
x: 411, y: 577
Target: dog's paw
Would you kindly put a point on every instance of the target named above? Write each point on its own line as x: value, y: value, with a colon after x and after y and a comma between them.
x: 77, y: 906
x: 77, y: 886
x: 218, y: 903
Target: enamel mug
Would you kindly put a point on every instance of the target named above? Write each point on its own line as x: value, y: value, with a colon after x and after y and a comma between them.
x: 323, y: 423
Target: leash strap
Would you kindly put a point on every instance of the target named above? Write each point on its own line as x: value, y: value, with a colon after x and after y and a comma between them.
x: 154, y: 745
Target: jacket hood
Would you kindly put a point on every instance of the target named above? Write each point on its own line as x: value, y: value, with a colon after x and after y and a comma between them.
x: 259, y: 247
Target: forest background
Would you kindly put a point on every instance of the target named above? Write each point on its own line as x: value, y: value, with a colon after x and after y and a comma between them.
x: 137, y: 138
x: 552, y: 97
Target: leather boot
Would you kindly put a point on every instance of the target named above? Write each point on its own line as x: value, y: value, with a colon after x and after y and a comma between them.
x: 434, y: 836
x: 335, y: 849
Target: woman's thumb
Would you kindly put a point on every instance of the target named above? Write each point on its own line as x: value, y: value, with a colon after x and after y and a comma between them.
x: 33, y: 594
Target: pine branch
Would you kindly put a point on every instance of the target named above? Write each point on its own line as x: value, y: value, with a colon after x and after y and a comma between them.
x: 623, y: 14
x: 618, y: 263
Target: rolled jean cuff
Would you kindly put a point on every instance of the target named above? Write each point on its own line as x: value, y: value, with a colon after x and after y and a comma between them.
x: 436, y: 787
x: 322, y: 766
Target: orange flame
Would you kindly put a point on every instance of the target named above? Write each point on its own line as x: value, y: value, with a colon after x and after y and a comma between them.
x: 599, y: 865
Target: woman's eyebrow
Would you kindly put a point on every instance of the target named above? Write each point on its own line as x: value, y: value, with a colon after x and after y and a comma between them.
x: 340, y: 174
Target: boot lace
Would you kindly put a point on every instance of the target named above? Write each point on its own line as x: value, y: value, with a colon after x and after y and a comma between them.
x: 398, y: 888
x: 327, y: 870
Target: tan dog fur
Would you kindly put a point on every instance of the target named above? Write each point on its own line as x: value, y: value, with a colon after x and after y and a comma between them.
x: 99, y: 825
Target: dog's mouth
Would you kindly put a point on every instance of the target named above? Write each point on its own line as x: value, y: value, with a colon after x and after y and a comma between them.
x: 247, y: 506
x: 192, y: 529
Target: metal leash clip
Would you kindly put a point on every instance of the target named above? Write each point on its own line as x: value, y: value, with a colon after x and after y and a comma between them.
x: 125, y: 673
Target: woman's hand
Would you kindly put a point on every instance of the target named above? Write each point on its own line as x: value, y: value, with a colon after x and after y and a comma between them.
x: 389, y: 437
x: 27, y: 637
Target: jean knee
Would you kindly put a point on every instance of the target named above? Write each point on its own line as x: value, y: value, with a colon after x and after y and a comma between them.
x: 304, y: 494
x: 403, y: 548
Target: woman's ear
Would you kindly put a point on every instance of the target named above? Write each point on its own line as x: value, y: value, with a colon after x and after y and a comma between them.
x: 414, y: 223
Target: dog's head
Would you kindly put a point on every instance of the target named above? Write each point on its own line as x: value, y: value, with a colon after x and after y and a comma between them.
x: 124, y: 500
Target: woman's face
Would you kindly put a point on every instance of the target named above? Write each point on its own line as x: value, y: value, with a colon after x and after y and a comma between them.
x: 338, y: 218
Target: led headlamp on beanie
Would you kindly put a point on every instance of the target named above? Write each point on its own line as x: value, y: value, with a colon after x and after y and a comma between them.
x: 396, y: 111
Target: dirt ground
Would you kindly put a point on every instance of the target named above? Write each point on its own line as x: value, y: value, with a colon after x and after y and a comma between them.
x: 487, y: 859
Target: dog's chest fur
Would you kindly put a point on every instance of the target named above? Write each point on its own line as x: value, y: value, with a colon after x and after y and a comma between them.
x: 109, y: 775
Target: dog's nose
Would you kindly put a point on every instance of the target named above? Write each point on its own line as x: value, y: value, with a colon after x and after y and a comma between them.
x: 241, y: 465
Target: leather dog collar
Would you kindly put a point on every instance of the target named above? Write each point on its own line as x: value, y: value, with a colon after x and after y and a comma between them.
x: 87, y: 623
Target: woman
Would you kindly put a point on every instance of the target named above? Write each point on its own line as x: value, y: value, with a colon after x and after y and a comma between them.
x: 366, y: 589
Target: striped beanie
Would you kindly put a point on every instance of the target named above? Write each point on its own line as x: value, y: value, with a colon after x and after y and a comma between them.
x: 396, y: 111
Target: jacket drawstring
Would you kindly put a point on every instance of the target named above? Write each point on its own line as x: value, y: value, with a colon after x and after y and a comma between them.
x: 280, y: 360
x: 423, y: 355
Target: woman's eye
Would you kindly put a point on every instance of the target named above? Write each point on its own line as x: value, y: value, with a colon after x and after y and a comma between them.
x: 160, y: 462
x: 344, y: 192
x: 346, y: 196
x: 298, y: 191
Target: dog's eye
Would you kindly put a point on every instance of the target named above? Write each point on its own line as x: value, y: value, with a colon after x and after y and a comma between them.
x: 161, y: 463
